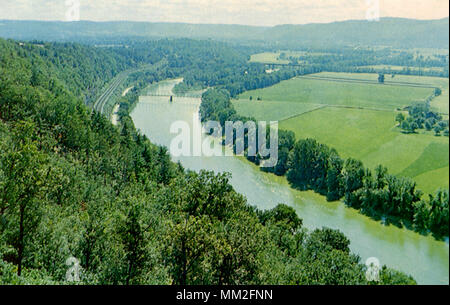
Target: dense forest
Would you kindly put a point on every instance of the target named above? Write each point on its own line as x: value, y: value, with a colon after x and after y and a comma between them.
x: 309, y: 165
x: 74, y: 185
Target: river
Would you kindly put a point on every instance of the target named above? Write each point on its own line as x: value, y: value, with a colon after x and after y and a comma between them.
x: 423, y: 257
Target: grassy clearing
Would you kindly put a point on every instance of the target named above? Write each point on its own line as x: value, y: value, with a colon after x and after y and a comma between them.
x: 270, y: 110
x: 327, y: 92
x: 273, y: 57
x: 398, y: 151
x: 427, y: 80
x: 303, y: 53
x: 440, y: 103
x: 427, y: 181
x: 268, y: 58
x: 433, y: 157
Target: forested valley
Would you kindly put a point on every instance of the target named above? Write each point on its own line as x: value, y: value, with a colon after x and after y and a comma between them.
x: 74, y: 185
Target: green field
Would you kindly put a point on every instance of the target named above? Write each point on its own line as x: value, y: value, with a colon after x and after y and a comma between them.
x: 440, y: 103
x: 352, y: 132
x: 352, y: 94
x: 427, y: 80
x: 330, y: 92
x: 268, y: 58
x: 358, y: 120
x: 273, y: 57
x: 271, y: 110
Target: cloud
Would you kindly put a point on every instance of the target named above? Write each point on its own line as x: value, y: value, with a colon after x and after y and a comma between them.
x: 252, y: 12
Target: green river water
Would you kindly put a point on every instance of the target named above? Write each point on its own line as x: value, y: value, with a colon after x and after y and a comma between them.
x: 423, y: 257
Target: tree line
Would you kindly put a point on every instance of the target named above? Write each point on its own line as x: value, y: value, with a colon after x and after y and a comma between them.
x: 421, y: 116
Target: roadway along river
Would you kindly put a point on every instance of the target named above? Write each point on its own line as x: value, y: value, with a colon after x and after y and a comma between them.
x: 426, y: 259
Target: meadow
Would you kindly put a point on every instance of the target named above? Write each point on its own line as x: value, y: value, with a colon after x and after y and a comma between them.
x: 407, y: 79
x: 268, y: 58
x: 272, y: 110
x: 340, y: 93
x: 440, y: 103
x: 358, y: 120
x: 274, y: 57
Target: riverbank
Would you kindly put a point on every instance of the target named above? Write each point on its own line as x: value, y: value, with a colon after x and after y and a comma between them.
x: 115, y: 111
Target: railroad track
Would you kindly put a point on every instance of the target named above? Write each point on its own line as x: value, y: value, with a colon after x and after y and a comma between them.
x: 102, y: 101
x: 99, y: 105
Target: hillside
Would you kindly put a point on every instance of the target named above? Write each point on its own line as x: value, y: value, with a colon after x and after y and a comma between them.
x: 395, y: 32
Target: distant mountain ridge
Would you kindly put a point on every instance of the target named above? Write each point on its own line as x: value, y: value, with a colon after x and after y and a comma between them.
x: 395, y: 32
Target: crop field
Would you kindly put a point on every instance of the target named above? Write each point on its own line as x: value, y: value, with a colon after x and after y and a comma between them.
x: 396, y: 80
x: 268, y: 58
x: 273, y: 57
x: 271, y: 110
x: 440, y: 103
x: 358, y: 120
x: 323, y: 91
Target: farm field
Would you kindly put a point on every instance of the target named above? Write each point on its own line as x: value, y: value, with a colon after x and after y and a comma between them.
x: 271, y: 110
x: 349, y: 94
x: 273, y: 57
x: 440, y: 103
x: 268, y: 58
x: 358, y: 120
x: 407, y: 79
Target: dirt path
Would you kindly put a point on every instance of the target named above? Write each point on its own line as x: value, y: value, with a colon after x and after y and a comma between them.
x: 127, y: 90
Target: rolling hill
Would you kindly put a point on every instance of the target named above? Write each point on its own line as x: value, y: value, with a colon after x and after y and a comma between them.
x: 395, y: 32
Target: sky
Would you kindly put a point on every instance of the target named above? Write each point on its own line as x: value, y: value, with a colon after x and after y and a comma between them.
x: 248, y: 12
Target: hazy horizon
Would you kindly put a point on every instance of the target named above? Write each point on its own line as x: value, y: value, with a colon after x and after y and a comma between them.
x: 265, y: 13
x: 230, y: 24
